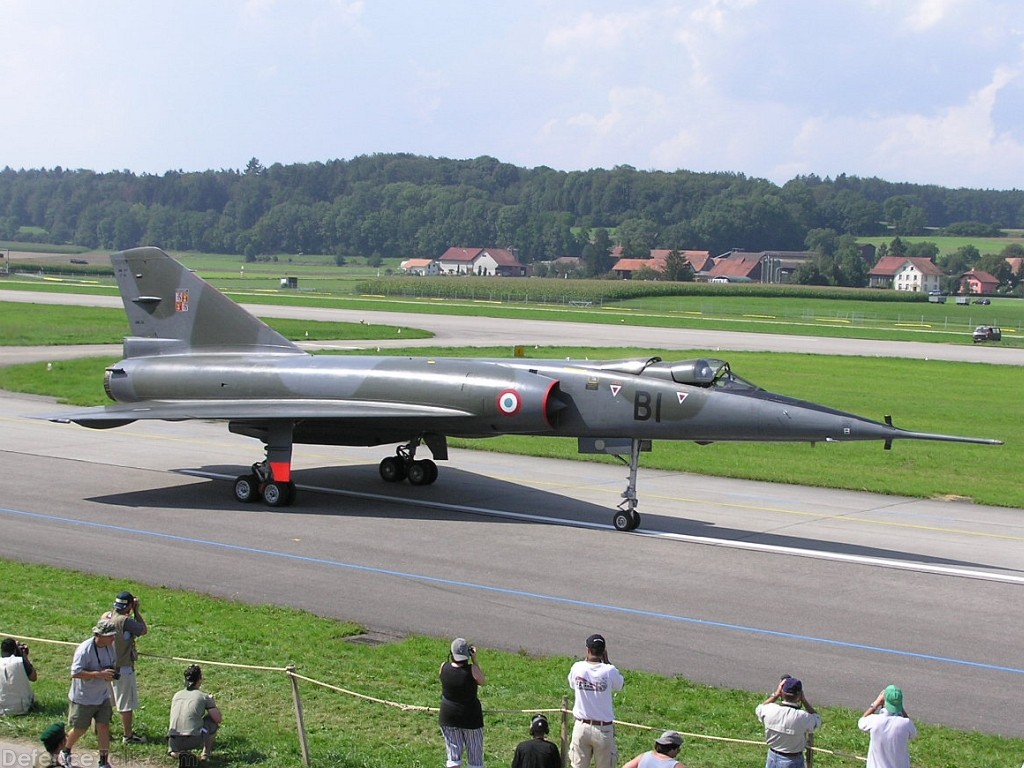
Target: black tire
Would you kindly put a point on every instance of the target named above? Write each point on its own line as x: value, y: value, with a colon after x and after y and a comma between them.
x: 622, y: 521
x: 246, y: 489
x: 634, y: 522
x: 392, y: 469
x: 277, y: 494
x: 422, y: 472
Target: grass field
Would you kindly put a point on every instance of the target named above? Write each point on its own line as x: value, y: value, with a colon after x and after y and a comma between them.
x: 45, y: 325
x: 896, y: 321
x: 259, y: 724
x: 950, y: 244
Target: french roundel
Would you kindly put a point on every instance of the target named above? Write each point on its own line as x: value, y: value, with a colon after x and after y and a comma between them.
x: 509, y: 402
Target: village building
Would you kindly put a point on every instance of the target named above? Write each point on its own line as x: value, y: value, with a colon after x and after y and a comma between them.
x: 975, y: 281
x: 656, y: 262
x: 419, y: 267
x: 905, y: 273
x: 502, y: 262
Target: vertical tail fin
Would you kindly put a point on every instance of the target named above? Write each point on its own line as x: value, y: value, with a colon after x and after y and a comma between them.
x: 171, y: 310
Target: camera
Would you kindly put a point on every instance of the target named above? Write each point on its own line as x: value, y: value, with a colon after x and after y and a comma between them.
x: 22, y: 649
x: 116, y: 671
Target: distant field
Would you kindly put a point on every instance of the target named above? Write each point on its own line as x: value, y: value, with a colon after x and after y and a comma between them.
x: 322, y: 283
x: 951, y: 244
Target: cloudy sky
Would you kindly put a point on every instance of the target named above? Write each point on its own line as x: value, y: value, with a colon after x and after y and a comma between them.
x: 927, y: 91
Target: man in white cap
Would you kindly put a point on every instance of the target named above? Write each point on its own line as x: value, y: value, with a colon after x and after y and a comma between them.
x: 92, y: 671
x: 593, y: 680
x: 664, y: 755
x: 891, y: 730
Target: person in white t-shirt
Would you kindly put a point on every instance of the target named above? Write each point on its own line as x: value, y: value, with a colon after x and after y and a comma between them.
x: 593, y: 680
x: 16, y: 677
x: 891, y: 730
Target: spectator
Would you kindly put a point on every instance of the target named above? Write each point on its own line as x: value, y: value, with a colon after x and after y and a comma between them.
x: 891, y: 730
x: 666, y: 750
x: 130, y: 625
x: 787, y: 726
x: 462, y: 716
x: 16, y: 677
x: 92, y: 671
x: 537, y: 752
x: 54, y: 737
x: 593, y: 734
x: 195, y: 718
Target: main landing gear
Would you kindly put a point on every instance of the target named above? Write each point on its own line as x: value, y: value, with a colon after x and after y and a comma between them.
x: 404, y: 465
x: 260, y: 484
x: 627, y: 518
x: 270, y: 479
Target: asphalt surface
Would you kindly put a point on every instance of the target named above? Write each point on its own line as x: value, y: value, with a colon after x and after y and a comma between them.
x: 458, y: 331
x: 728, y: 583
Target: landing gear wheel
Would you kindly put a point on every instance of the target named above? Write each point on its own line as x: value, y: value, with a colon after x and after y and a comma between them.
x: 247, y: 488
x: 392, y: 469
x: 277, y: 494
x: 422, y: 472
x: 626, y: 520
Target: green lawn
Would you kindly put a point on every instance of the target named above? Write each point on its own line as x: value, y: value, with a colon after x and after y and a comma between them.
x: 44, y: 325
x: 259, y: 723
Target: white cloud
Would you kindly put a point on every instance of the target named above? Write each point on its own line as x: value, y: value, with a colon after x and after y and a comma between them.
x: 909, y: 90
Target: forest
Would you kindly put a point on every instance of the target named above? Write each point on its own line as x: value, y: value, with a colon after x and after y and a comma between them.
x: 408, y: 206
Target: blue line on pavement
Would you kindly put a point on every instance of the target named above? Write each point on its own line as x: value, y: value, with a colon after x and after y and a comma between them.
x: 517, y: 593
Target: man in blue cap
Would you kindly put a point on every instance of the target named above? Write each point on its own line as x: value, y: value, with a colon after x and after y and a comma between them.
x: 788, y: 725
x: 891, y: 730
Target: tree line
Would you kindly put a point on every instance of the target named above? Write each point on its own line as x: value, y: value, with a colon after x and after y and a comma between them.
x: 408, y: 206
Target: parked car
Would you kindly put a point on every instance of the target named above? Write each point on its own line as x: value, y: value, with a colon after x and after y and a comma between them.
x: 987, y: 333
x: 983, y: 301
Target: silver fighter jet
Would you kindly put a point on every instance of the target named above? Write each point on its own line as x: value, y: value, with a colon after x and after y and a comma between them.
x: 195, y: 354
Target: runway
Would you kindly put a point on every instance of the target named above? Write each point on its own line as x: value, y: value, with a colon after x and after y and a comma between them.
x: 727, y: 582
x: 457, y: 331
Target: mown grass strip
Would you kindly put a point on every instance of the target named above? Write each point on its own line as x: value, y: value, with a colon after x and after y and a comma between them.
x: 259, y: 727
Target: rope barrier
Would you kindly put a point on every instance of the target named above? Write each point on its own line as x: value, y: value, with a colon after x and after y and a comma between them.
x: 291, y: 673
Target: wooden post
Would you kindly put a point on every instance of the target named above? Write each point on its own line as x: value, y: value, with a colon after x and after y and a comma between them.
x: 565, y: 730
x: 299, y: 719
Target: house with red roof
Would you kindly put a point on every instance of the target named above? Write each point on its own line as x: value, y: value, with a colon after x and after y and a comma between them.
x: 736, y: 267
x: 905, y: 273
x: 975, y: 281
x: 624, y: 268
x: 481, y: 261
x: 419, y: 267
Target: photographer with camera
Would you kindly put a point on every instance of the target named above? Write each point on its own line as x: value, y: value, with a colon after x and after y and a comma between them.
x: 92, y: 670
x: 462, y: 716
x: 127, y: 619
x: 16, y: 677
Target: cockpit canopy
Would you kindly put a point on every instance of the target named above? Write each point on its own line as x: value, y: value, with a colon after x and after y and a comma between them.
x: 701, y: 372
